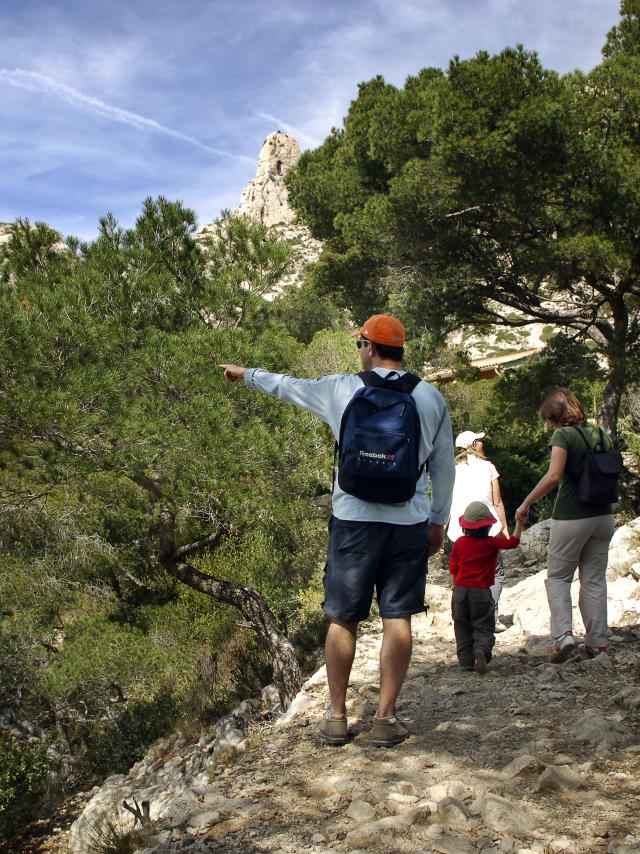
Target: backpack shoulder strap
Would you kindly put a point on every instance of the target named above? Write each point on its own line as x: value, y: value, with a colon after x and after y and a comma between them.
x: 371, y: 378
x: 406, y: 383
x: 409, y: 382
x: 600, y: 442
x: 584, y: 438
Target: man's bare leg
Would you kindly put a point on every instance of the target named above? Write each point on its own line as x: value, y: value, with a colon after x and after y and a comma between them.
x: 339, y: 652
x: 395, y: 656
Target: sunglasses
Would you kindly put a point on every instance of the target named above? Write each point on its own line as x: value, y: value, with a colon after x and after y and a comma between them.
x: 362, y: 342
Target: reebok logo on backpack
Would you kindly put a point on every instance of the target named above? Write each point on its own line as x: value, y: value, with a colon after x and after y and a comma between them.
x: 380, y: 440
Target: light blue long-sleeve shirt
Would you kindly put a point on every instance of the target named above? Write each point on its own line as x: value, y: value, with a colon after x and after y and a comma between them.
x: 328, y: 397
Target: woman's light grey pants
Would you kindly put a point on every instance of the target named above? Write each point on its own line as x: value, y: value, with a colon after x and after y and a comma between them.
x: 581, y: 544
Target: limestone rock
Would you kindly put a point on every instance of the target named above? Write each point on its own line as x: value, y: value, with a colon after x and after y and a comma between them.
x: 270, y: 696
x: 453, y: 814
x: 562, y: 845
x: 265, y: 198
x: 504, y: 816
x: 6, y: 230
x: 360, y: 811
x: 624, y: 550
x: 535, y: 541
x: 450, y: 789
x: 300, y: 704
x: 628, y: 697
x: 451, y: 843
x: 601, y: 732
x: 102, y: 804
x: 559, y: 778
x: 369, y: 835
x: 521, y: 765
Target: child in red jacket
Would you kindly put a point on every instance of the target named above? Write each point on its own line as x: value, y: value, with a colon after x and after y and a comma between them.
x: 473, y: 567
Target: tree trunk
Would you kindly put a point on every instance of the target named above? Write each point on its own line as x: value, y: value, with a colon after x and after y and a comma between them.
x: 286, y: 671
x: 610, y: 407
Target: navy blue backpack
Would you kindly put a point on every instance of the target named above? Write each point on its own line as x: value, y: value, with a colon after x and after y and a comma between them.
x: 379, y: 442
x: 598, y: 480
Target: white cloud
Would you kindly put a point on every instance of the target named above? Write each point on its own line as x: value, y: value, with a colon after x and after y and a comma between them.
x: 34, y: 81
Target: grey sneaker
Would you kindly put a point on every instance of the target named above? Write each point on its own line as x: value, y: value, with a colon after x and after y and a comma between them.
x: 334, y: 730
x: 386, y: 733
x: 480, y: 665
x: 500, y: 627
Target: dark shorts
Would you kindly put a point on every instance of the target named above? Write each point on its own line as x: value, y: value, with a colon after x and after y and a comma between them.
x: 367, y: 556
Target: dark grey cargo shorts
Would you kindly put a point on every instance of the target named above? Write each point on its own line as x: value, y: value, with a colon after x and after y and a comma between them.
x: 364, y: 557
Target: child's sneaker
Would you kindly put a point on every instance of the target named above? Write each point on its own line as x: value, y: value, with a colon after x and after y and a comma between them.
x: 480, y: 665
x: 563, y: 649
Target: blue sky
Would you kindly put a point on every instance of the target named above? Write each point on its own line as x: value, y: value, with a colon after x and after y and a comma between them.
x: 104, y: 103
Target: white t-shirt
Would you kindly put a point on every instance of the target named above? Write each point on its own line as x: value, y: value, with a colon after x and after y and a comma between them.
x: 474, y: 482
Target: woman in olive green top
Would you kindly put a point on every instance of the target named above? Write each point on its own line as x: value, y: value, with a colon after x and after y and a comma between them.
x: 580, y: 533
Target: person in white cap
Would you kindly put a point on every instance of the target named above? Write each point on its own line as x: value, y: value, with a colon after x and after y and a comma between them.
x: 477, y: 480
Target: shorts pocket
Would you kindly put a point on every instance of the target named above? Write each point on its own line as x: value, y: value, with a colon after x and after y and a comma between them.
x: 351, y: 536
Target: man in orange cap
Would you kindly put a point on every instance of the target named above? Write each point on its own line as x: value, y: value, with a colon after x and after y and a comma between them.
x: 374, y: 545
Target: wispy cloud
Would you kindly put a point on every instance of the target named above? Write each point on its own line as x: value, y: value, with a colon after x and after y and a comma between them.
x: 34, y: 81
x: 279, y: 123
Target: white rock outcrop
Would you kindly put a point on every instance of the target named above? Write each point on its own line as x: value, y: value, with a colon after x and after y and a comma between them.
x: 265, y: 199
x: 173, y: 777
x: 624, y: 551
x: 535, y: 542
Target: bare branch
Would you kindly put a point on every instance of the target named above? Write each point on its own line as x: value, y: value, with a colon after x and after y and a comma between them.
x: 151, y: 484
x: 140, y: 815
x: 206, y: 542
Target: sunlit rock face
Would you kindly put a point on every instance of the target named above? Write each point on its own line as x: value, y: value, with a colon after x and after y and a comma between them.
x: 265, y: 199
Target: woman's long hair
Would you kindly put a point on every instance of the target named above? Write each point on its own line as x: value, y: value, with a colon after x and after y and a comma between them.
x: 463, y: 456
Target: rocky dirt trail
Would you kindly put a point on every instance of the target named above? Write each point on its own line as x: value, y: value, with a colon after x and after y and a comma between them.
x: 532, y: 757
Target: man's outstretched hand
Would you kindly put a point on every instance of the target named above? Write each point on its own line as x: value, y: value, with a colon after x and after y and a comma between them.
x: 233, y: 373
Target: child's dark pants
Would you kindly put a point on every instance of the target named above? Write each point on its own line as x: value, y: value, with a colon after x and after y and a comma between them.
x: 473, y: 612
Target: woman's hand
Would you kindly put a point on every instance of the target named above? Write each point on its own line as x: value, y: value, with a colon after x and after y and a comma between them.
x: 522, y: 513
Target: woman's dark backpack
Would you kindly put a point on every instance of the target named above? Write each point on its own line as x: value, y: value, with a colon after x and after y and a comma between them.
x: 598, y: 481
x: 380, y: 440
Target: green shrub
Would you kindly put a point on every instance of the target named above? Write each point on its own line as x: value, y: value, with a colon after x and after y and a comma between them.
x: 24, y: 767
x: 116, y: 747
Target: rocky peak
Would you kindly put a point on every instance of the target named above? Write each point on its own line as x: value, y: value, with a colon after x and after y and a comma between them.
x: 265, y: 198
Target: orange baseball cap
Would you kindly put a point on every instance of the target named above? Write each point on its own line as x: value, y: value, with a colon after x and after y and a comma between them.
x: 383, y: 329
